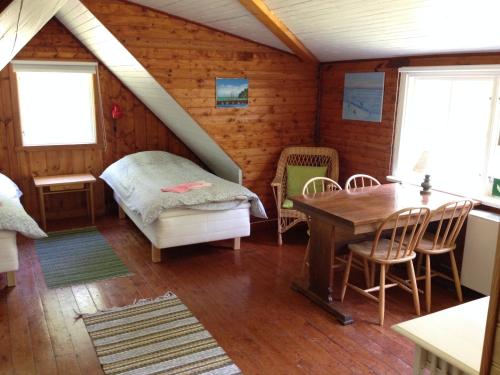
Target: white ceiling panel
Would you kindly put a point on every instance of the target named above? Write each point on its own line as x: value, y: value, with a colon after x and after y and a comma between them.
x: 359, y: 29
x: 20, y: 21
x: 336, y: 30
x: 225, y: 15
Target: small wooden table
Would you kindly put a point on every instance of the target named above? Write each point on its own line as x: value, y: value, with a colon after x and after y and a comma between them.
x: 359, y: 211
x: 70, y: 183
x: 449, y: 341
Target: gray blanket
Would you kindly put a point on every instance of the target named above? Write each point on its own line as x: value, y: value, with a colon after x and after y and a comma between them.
x: 138, y: 179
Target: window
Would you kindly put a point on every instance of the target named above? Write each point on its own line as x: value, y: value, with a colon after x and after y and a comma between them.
x: 56, y: 102
x: 448, y: 127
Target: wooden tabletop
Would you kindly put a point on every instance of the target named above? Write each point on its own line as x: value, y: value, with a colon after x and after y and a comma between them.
x: 64, y: 179
x: 455, y: 334
x: 363, y: 208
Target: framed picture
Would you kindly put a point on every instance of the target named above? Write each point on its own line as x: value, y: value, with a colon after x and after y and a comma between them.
x: 231, y: 92
x: 363, y: 96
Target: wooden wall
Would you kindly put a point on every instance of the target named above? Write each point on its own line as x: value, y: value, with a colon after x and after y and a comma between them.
x: 366, y: 147
x: 138, y: 130
x: 186, y: 58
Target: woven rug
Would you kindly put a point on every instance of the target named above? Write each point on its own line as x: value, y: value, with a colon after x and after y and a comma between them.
x: 76, y: 257
x: 155, y: 337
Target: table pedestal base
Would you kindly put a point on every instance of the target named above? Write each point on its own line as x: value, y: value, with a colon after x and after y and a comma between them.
x: 333, y: 308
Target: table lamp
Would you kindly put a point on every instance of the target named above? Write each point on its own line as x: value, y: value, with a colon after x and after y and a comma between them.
x: 422, y: 166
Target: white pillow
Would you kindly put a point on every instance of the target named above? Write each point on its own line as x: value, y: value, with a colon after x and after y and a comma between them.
x: 9, y: 188
x: 13, y: 217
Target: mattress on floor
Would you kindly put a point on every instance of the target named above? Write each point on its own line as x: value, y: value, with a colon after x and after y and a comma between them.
x: 184, y: 226
x: 8, y: 251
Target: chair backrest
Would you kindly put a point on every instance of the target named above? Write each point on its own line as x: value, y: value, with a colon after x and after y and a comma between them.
x: 455, y: 213
x: 307, y: 156
x: 406, y: 227
x: 360, y: 180
x: 320, y: 184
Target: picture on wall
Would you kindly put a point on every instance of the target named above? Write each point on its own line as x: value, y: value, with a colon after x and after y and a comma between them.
x: 231, y: 92
x: 363, y: 96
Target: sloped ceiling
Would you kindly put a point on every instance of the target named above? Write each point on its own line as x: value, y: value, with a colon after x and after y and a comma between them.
x: 335, y: 30
x: 92, y: 33
x: 226, y: 15
x: 20, y: 21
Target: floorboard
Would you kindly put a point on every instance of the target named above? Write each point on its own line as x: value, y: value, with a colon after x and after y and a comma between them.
x: 242, y: 297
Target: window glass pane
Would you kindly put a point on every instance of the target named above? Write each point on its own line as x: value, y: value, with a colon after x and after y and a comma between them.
x: 446, y: 123
x: 56, y: 108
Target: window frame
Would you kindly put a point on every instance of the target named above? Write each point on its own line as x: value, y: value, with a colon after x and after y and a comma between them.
x: 98, y: 112
x: 406, y: 73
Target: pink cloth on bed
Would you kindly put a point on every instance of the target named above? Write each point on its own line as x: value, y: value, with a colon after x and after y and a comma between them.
x: 182, y: 188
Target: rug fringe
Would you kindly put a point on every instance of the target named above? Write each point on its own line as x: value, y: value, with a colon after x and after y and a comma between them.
x: 137, y: 302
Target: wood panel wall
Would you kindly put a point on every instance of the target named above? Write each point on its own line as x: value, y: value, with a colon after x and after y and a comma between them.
x: 137, y: 130
x: 186, y: 58
x: 366, y: 147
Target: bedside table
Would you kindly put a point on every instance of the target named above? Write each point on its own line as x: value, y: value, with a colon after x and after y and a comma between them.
x: 69, y: 183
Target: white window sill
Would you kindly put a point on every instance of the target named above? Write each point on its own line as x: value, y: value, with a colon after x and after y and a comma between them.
x: 485, y: 200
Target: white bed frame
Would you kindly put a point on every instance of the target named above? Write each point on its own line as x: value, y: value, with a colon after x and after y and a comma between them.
x: 9, y: 261
x: 181, y: 226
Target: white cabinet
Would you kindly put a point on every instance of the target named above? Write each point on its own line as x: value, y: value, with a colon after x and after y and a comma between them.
x: 479, y: 252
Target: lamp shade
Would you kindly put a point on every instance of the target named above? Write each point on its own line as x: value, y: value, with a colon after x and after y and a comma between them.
x: 423, y: 163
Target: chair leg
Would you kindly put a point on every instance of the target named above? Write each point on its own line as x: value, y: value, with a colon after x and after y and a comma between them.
x: 305, y: 263
x: 280, y: 238
x: 456, y: 277
x: 413, y: 282
x: 381, y: 296
x: 428, y: 281
x: 346, y: 277
x: 366, y: 268
x: 372, y: 274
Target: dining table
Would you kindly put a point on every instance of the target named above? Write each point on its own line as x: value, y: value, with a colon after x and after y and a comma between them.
x: 337, y: 216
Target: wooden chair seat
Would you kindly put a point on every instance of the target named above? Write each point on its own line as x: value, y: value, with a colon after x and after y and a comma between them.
x: 426, y: 246
x: 364, y: 249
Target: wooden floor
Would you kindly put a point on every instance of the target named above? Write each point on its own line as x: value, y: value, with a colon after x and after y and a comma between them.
x: 242, y: 297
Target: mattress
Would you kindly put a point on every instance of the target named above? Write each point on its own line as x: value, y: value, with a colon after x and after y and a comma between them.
x: 184, y: 226
x: 8, y: 251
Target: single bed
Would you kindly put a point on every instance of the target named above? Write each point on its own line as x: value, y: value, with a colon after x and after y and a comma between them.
x: 13, y: 220
x: 218, y: 212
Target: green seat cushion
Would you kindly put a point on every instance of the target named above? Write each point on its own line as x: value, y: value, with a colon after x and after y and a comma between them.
x: 287, y: 203
x: 297, y: 176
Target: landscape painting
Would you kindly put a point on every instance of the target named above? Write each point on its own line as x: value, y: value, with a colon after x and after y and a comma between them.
x: 231, y: 92
x: 363, y: 96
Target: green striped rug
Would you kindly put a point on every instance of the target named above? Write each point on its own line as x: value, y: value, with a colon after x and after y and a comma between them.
x: 76, y: 257
x: 155, y: 337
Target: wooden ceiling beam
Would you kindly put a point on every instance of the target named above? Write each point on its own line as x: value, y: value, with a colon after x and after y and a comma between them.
x: 278, y: 28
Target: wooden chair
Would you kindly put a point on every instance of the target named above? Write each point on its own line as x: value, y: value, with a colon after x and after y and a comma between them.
x: 300, y: 156
x: 360, y: 180
x: 315, y: 185
x: 443, y: 241
x: 406, y: 227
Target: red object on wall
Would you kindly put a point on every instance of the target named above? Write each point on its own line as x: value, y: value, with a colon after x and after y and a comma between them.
x: 116, y: 112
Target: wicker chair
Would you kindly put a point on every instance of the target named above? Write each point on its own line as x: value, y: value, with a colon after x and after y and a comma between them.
x: 301, y: 156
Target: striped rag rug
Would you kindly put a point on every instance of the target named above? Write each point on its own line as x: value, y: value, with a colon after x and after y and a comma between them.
x: 155, y: 337
x: 77, y: 256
